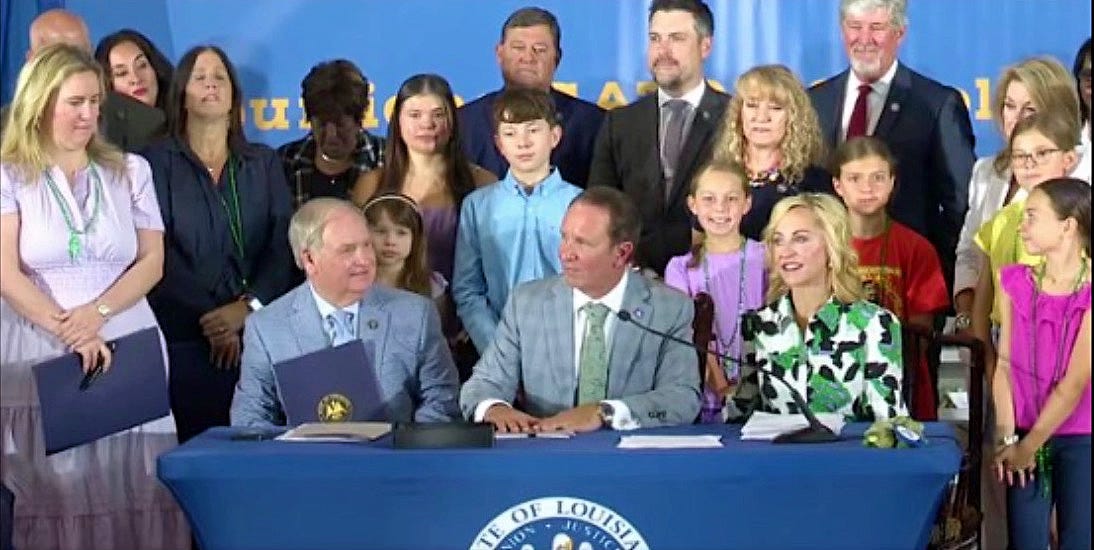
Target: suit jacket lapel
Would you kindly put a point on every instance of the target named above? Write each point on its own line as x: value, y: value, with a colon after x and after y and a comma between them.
x: 626, y: 337
x: 306, y: 323
x: 890, y: 113
x: 835, y: 110
x: 649, y: 148
x: 373, y: 321
x: 703, y: 125
x: 558, y: 314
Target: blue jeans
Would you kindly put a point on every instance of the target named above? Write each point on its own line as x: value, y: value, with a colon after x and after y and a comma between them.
x: 1028, y: 511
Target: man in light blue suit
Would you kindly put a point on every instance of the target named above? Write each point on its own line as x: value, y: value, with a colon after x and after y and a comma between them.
x: 331, y: 243
x: 561, y: 346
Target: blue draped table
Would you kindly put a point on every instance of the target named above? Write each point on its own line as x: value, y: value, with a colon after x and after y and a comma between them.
x: 542, y: 493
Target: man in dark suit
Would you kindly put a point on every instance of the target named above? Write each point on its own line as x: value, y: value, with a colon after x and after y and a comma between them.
x: 124, y: 121
x: 925, y: 123
x: 653, y: 147
x: 529, y: 53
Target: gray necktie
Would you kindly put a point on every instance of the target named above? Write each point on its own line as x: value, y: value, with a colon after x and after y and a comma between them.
x: 672, y: 142
x: 592, y: 378
x: 340, y: 327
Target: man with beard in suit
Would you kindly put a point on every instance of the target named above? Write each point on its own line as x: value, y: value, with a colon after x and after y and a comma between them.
x: 653, y: 147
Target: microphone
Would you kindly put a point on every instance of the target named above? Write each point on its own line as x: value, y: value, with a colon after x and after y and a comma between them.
x: 816, y: 432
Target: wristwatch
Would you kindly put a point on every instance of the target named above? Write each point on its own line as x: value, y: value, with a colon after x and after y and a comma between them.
x: 103, y: 310
x: 607, y: 413
x: 253, y: 303
x: 962, y: 321
x: 1007, y: 440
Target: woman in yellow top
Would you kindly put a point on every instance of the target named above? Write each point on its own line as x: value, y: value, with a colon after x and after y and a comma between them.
x: 1042, y: 147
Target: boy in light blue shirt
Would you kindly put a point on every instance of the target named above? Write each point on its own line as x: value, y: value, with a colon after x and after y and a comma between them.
x: 509, y: 231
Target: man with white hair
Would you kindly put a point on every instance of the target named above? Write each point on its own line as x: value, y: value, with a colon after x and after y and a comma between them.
x: 925, y: 123
x: 339, y: 302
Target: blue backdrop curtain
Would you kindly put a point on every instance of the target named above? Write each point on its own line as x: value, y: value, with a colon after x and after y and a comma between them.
x: 16, y: 18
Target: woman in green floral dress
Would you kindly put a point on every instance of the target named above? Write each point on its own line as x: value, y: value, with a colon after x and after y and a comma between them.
x: 841, y: 352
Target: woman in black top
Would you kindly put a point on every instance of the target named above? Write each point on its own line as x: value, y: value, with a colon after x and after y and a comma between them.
x: 226, y: 211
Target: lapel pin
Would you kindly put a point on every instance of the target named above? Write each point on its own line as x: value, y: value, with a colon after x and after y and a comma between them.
x: 638, y: 313
x: 373, y: 324
x: 895, y: 107
x: 706, y: 115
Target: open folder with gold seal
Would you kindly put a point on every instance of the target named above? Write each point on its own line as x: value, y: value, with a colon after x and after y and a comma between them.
x: 333, y: 385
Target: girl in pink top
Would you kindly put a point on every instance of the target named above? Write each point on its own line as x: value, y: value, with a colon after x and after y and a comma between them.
x: 1042, y: 380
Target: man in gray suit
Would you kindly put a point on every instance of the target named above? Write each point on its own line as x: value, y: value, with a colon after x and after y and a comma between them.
x: 560, y: 344
x: 331, y: 243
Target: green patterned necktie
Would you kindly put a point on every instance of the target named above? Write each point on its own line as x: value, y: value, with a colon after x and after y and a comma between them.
x: 592, y: 383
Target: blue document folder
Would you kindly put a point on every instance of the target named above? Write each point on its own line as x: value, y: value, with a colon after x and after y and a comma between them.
x: 336, y: 384
x: 77, y: 409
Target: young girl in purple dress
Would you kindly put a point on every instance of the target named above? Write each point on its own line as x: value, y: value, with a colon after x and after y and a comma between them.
x: 727, y: 266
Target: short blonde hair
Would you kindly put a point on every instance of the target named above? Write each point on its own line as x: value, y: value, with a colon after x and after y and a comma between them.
x: 26, y: 132
x: 803, y: 145
x: 1049, y: 86
x: 307, y: 224
x: 831, y: 218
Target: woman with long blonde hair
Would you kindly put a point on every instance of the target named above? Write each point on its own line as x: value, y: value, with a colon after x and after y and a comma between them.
x: 81, y: 244
x: 816, y: 301
x: 771, y: 129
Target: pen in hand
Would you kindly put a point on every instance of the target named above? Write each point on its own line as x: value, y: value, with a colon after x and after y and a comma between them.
x: 91, y: 375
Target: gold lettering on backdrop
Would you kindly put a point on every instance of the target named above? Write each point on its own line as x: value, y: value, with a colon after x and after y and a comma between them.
x: 369, y: 120
x: 279, y: 121
x: 983, y: 87
x: 645, y: 87
x: 611, y: 96
x: 568, y: 88
x: 389, y: 109
x: 304, y: 124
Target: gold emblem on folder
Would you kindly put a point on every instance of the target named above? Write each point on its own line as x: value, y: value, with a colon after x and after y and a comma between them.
x: 335, y: 407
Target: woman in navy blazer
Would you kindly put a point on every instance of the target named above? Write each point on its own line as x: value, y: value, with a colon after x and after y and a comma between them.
x: 226, y: 209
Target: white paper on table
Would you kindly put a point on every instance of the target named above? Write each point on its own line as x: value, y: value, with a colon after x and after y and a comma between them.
x: 765, y: 426
x: 709, y: 441
x: 337, y: 432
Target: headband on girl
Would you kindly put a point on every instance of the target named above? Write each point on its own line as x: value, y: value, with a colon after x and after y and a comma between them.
x: 396, y: 197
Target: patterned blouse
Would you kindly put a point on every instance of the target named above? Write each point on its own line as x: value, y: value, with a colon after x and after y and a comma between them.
x: 849, y: 361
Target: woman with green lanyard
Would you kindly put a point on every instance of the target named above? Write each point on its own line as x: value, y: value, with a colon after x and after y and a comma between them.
x: 226, y: 210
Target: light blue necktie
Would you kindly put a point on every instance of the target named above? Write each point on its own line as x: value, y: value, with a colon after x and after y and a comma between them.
x: 340, y: 327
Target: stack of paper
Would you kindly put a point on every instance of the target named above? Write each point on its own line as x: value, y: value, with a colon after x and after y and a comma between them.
x: 670, y: 441
x: 766, y: 426
x: 337, y: 432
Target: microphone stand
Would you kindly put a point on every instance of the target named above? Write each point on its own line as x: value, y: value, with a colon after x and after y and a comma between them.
x: 815, y: 432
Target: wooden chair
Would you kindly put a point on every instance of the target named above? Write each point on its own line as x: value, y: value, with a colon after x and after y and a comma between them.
x: 702, y: 326
x: 959, y: 519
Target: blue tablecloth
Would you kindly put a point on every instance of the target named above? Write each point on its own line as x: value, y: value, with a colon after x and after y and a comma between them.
x: 541, y: 493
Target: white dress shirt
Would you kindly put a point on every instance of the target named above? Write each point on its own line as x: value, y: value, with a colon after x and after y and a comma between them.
x: 621, y: 418
x: 325, y: 309
x: 875, y: 102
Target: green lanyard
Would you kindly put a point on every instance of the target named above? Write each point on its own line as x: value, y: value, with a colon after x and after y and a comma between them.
x: 74, y: 233
x: 235, y: 218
